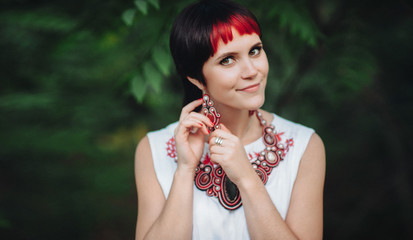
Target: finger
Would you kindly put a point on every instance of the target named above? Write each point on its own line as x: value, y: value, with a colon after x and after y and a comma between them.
x: 201, y: 124
x: 205, y: 129
x: 189, y: 108
x: 216, y: 158
x: 212, y: 138
x: 221, y: 143
x: 200, y: 117
x: 186, y: 127
x: 194, y: 130
x: 212, y: 141
x: 219, y: 133
x: 214, y: 149
x: 188, y: 124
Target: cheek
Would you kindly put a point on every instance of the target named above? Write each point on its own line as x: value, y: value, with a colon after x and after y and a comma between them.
x: 263, y: 64
x: 221, y: 79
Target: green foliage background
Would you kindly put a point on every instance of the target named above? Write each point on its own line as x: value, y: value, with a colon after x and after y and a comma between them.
x: 83, y: 81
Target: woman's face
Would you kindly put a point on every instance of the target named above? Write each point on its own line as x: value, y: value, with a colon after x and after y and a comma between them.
x: 236, y: 74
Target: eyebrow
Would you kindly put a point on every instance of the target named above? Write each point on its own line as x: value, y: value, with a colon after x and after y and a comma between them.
x: 226, y: 54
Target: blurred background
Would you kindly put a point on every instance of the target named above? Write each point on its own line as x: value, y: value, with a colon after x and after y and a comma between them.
x: 83, y: 81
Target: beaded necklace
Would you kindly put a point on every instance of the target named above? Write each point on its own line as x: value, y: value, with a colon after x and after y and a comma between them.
x: 211, y: 178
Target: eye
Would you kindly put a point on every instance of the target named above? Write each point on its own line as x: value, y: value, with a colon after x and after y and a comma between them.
x: 255, y: 51
x: 226, y: 61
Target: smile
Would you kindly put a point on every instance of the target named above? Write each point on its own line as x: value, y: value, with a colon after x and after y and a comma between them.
x: 251, y: 88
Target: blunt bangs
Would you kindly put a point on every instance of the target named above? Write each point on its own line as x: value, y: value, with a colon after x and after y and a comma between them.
x: 223, y: 30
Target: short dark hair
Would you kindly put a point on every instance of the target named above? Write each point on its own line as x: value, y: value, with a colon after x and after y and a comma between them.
x: 195, y: 35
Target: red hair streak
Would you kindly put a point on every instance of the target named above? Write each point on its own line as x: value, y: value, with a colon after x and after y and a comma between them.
x: 223, y: 30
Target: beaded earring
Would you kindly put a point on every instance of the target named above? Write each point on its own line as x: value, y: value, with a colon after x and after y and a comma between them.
x: 209, y: 110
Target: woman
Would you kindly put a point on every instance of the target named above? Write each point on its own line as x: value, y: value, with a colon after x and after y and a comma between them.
x: 228, y: 170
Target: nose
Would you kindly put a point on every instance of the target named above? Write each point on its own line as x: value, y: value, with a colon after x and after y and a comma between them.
x: 249, y: 70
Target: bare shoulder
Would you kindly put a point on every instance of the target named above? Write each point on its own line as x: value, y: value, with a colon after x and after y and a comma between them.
x: 143, y: 149
x: 150, y: 196
x: 305, y: 214
x: 143, y: 158
x: 143, y: 155
x: 313, y: 164
x: 315, y: 151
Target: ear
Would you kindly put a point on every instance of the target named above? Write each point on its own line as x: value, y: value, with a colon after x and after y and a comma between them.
x: 196, y: 83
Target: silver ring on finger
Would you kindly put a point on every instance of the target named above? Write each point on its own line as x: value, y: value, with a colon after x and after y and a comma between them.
x: 219, y: 141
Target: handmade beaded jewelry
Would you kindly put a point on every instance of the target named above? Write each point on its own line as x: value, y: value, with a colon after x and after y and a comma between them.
x: 212, y: 178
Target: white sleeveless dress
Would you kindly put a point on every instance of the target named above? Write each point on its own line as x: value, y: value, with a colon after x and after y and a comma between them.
x: 210, y: 219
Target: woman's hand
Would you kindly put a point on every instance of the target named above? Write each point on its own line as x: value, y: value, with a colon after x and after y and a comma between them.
x: 230, y: 155
x: 190, y: 136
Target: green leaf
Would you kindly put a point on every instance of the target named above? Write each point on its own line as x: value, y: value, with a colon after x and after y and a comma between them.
x: 138, y: 87
x: 128, y: 16
x: 142, y: 6
x: 154, y: 3
x: 162, y: 60
x: 152, y: 76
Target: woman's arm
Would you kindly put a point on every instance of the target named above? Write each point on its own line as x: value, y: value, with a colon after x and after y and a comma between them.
x: 171, y: 218
x: 305, y: 214
x: 159, y: 218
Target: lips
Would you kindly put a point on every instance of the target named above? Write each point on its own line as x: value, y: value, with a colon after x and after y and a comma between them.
x: 250, y: 88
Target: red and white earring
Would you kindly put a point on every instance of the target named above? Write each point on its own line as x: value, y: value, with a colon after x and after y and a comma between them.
x: 209, y: 110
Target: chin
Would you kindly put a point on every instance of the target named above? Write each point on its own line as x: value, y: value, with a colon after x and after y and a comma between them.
x: 256, y: 103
